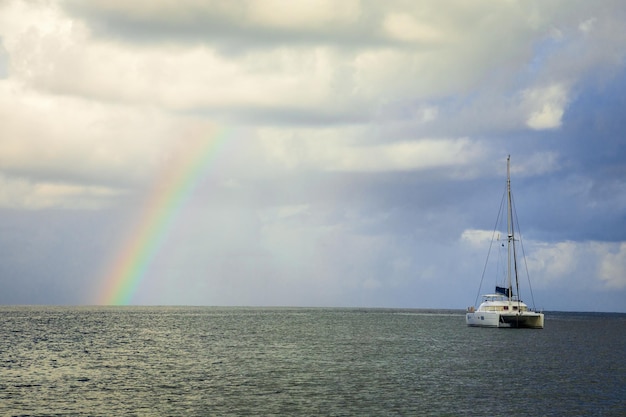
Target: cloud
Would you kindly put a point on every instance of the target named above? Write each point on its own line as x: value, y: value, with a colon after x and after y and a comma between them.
x: 62, y: 55
x: 176, y: 79
x: 477, y: 238
x: 579, y: 265
x: 225, y: 15
x: 23, y: 194
x: 537, y: 163
x: 3, y: 61
x: 398, y: 57
x: 405, y: 27
x: 612, y: 269
x: 369, y: 137
x: 308, y: 14
x: 72, y: 140
x: 555, y: 261
x: 340, y: 150
x: 546, y: 106
x: 587, y: 25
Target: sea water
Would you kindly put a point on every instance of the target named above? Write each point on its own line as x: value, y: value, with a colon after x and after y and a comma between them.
x: 205, y: 361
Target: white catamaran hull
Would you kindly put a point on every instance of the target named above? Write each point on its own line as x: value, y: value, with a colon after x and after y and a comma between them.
x: 530, y: 320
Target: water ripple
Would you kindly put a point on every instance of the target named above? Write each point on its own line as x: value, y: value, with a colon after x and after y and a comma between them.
x: 335, y: 362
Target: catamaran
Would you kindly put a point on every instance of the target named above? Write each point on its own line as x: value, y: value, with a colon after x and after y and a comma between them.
x: 504, y: 308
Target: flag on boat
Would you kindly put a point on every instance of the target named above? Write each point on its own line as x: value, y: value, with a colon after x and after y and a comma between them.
x: 504, y: 291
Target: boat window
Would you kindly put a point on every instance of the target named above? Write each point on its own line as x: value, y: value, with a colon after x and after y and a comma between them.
x: 506, y: 307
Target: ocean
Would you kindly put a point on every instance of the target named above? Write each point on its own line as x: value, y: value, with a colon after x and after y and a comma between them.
x: 214, y: 361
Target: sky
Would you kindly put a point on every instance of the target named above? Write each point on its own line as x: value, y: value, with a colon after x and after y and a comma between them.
x: 314, y: 153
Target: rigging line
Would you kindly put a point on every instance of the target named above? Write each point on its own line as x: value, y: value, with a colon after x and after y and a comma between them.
x: 495, y: 229
x: 514, y: 227
x: 530, y: 287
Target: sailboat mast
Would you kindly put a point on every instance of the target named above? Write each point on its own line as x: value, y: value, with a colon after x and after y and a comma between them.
x: 511, y: 231
x: 509, y: 225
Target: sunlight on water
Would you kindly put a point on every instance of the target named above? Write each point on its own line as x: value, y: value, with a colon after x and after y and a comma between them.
x: 241, y: 361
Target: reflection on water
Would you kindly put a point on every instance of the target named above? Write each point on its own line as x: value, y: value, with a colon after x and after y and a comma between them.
x: 214, y: 361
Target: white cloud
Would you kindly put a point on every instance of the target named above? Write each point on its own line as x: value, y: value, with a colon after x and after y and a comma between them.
x: 545, y: 105
x: 587, y: 25
x: 70, y: 139
x: 405, y: 27
x: 173, y: 78
x: 404, y: 156
x: 23, y: 194
x: 554, y: 262
x: 589, y: 265
x: 538, y: 163
x: 339, y: 150
x: 427, y: 114
x: 283, y: 212
x: 58, y: 53
x: 477, y: 238
x: 612, y: 270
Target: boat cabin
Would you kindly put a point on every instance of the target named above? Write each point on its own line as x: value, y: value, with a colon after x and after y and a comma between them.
x: 499, y: 302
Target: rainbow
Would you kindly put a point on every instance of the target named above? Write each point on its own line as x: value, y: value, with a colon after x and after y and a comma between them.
x: 172, y: 189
